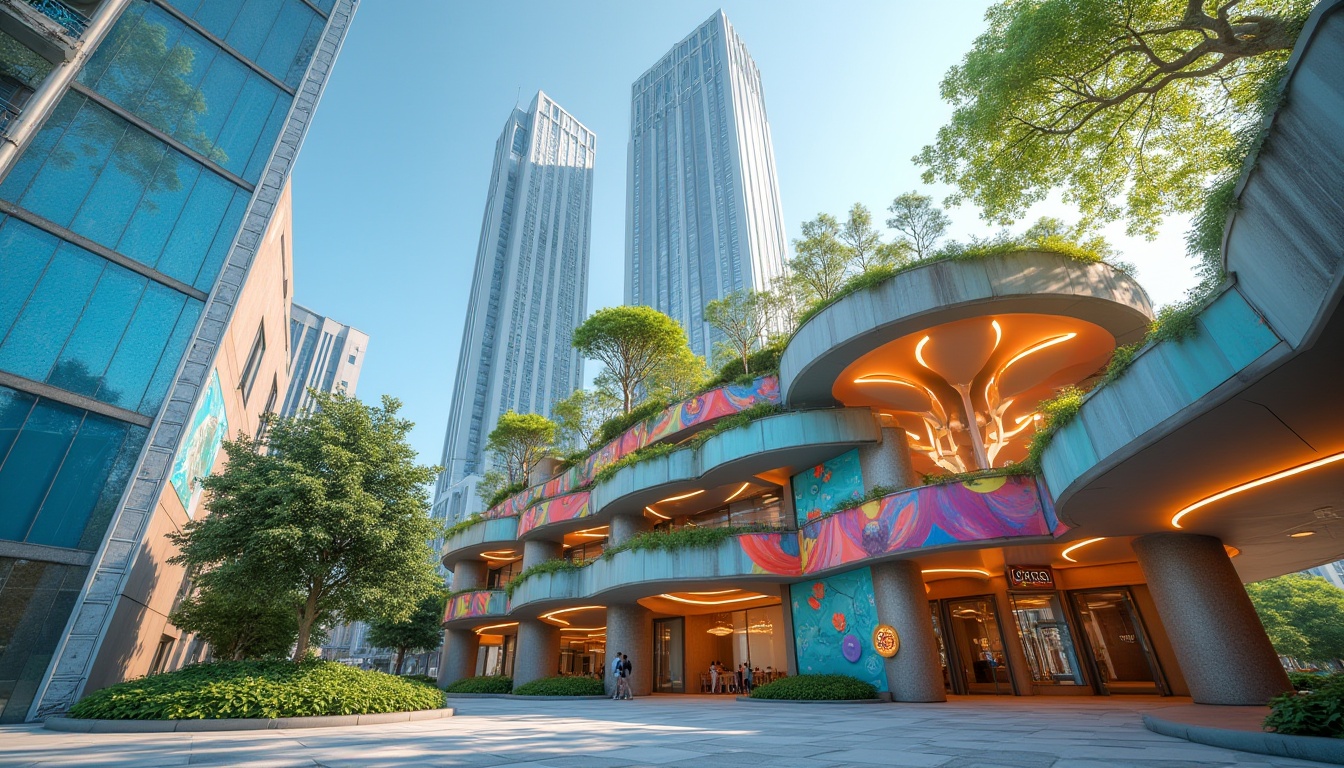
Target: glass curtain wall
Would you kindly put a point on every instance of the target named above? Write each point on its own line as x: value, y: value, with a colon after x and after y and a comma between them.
x: 669, y: 655
x: 1046, y: 639
x: 1121, y: 654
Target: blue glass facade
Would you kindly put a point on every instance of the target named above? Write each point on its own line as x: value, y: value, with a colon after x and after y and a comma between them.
x: 118, y: 218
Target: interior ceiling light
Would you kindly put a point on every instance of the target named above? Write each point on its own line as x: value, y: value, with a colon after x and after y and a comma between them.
x: 998, y: 332
x: 977, y: 571
x: 1176, y: 518
x: 718, y: 592
x: 679, y: 497
x: 654, y: 512
x: 719, y: 630
x: 1065, y: 554
x: 919, y: 351
x: 481, y: 630
x: 1301, y: 534
x: 1050, y: 342
x: 551, y: 616
x: 738, y: 492
x: 582, y: 629
x: 711, y: 602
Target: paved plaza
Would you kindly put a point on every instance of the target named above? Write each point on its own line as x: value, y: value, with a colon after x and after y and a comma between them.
x: 695, y: 731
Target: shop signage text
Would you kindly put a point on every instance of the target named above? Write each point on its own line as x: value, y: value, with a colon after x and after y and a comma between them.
x: 1030, y: 577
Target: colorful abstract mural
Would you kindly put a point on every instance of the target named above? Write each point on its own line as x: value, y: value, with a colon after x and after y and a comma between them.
x: 569, y: 507
x: 692, y: 412
x: 196, y: 457
x: 819, y: 489
x: 833, y: 623
x: 482, y: 602
x: 916, y: 518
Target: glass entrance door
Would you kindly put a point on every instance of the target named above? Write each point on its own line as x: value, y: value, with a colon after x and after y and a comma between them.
x: 669, y: 655
x: 1121, y: 654
x: 977, y: 645
x: 942, y: 645
x: 1046, y: 639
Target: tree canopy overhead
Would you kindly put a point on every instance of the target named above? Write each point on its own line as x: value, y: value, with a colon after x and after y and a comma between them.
x: 1132, y: 107
x: 1303, y: 616
x: 519, y: 442
x: 330, y: 511
x: 631, y: 341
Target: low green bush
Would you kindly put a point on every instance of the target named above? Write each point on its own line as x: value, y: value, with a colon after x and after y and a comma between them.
x: 762, y: 362
x: 258, y: 689
x: 422, y: 679
x: 562, y: 686
x: 546, y: 566
x: 1311, y: 681
x: 500, y: 496
x: 613, y: 427
x: 1318, y: 712
x: 462, y: 525
x: 487, y: 684
x: 816, y: 688
x: 633, y: 457
x: 683, y: 538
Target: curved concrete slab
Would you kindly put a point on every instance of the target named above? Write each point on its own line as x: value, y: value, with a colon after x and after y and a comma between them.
x: 944, y: 291
x: 481, y: 537
x: 470, y: 608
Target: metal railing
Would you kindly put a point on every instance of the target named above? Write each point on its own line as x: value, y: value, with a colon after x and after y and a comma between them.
x: 74, y: 22
x: 8, y: 114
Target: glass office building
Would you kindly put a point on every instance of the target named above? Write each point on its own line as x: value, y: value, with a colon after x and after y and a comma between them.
x: 703, y: 215
x: 529, y: 291
x: 148, y: 143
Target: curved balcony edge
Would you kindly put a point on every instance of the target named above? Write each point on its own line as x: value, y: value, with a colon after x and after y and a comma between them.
x: 943, y: 291
x: 482, y: 536
x: 470, y: 607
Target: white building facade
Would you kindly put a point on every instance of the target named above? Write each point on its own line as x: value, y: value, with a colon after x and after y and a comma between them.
x: 325, y: 355
x: 528, y: 292
x: 703, y: 216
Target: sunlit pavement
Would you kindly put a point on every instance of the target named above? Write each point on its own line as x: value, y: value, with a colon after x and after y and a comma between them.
x: 700, y: 731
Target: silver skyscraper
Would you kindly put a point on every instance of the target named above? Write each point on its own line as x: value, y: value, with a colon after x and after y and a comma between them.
x: 702, y: 214
x: 528, y: 292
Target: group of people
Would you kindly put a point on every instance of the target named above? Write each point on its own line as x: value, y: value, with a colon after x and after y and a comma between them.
x: 741, y: 680
x: 620, y: 672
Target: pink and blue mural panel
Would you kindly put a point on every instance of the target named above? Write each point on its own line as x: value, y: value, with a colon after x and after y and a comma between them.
x: 833, y: 623
x: 775, y: 553
x: 483, y: 602
x: 818, y: 490
x: 569, y: 507
x: 931, y: 516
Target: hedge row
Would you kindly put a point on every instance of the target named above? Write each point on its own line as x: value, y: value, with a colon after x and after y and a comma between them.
x: 816, y: 688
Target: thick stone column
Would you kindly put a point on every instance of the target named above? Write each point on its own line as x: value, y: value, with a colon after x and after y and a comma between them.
x: 1214, y: 630
x: 469, y: 574
x: 888, y: 462
x: 538, y: 653
x: 458, y: 658
x: 913, y: 674
x: 623, y: 527
x: 538, y: 551
x: 630, y: 631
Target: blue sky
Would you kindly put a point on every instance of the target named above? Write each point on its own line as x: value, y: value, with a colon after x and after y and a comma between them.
x: 390, y: 187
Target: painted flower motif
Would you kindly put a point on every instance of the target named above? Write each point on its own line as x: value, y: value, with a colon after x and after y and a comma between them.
x: 819, y: 590
x: 817, y: 470
x: 838, y: 621
x: 816, y: 604
x: 814, y: 514
x: 826, y: 478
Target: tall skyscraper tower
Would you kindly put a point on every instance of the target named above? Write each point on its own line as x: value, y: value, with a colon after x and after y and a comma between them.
x: 702, y: 216
x: 528, y: 292
x: 146, y: 147
x: 325, y: 355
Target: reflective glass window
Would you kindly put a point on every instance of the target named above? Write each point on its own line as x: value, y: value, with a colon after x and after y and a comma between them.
x: 38, y: 598
x: 62, y: 470
x: 93, y: 172
x: 79, y: 322
x: 186, y: 86
x: 277, y: 35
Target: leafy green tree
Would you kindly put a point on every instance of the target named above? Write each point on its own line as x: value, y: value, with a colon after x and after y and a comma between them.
x: 821, y: 262
x: 330, y: 511
x: 921, y: 223
x: 489, y: 484
x: 1131, y: 106
x: 421, y: 631
x: 862, y: 239
x: 1303, y: 615
x: 631, y: 342
x: 519, y: 442
x: 785, y: 304
x: 680, y: 375
x: 743, y: 317
x: 237, y: 620
x: 580, y: 416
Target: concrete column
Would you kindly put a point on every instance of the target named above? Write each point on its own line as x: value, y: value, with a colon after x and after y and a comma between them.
x: 888, y: 462
x: 538, y: 653
x: 623, y: 527
x: 630, y: 631
x: 1217, y: 636
x: 538, y: 551
x: 469, y: 574
x: 457, y: 660
x: 913, y: 674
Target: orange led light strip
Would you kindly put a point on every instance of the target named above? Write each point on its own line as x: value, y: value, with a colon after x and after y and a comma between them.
x: 712, y: 602
x: 1079, y: 545
x: 1176, y: 518
x: 654, y: 512
x: 738, y: 492
x: 977, y: 571
x: 551, y: 616
x: 679, y: 498
x: 480, y: 630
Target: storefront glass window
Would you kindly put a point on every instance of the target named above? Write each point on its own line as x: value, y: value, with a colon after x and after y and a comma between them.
x: 1046, y: 639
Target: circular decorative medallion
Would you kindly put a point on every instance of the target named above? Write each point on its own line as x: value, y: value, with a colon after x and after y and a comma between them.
x: 885, y: 640
x: 851, y: 648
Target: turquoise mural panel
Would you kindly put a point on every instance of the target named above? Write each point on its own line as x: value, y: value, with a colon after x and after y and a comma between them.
x: 196, y: 456
x: 833, y: 623
x: 819, y: 489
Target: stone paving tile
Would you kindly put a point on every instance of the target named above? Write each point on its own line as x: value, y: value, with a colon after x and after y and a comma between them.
x: 884, y: 757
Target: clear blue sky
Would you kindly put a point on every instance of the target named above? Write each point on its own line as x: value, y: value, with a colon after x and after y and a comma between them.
x: 390, y: 187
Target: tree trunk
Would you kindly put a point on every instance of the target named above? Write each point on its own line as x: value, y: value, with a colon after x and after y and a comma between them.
x: 401, y: 658
x: 306, y: 618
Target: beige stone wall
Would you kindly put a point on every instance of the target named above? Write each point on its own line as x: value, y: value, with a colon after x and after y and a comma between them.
x: 140, y: 618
